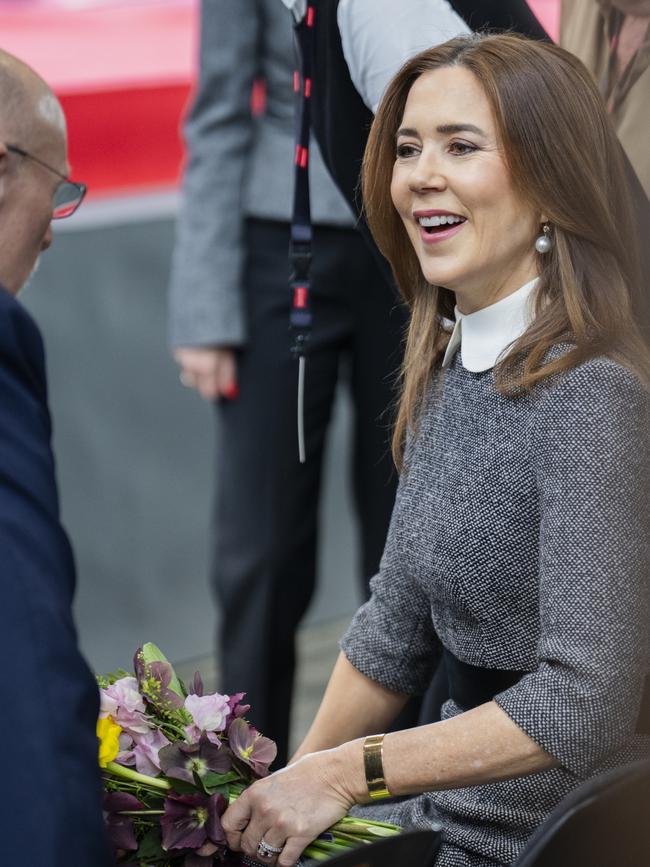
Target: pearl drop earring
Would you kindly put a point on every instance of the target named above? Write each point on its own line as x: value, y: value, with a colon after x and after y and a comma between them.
x: 544, y: 243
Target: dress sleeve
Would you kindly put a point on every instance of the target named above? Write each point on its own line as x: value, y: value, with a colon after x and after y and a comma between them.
x: 391, y: 638
x: 205, y: 303
x: 590, y: 451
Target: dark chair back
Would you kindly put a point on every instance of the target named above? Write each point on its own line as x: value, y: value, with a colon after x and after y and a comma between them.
x: 413, y: 849
x: 603, y: 823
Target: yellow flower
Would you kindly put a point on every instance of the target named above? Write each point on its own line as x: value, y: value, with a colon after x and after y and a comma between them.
x: 108, y: 733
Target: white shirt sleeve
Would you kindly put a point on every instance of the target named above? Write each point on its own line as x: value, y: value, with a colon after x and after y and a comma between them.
x: 379, y: 36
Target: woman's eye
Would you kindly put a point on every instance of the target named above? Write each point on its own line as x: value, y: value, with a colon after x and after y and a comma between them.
x: 405, y: 150
x: 460, y: 148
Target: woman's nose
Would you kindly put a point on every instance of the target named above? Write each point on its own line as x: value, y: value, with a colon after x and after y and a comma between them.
x: 427, y: 174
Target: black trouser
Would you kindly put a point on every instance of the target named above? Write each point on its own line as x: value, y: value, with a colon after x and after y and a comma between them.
x: 267, y: 502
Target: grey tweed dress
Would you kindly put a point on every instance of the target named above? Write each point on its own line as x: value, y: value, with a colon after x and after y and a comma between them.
x: 519, y: 541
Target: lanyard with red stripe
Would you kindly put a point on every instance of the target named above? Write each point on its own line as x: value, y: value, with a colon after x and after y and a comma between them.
x: 300, y: 244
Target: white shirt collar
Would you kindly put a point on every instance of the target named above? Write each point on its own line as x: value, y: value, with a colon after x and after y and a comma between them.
x: 483, y: 336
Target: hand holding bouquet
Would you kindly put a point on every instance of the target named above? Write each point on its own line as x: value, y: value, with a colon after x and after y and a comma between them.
x: 174, y: 758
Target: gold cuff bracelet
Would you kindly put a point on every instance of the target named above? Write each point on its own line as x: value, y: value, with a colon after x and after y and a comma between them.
x: 373, y: 754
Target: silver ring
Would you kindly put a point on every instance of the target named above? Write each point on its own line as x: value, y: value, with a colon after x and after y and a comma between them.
x: 186, y: 379
x: 265, y: 850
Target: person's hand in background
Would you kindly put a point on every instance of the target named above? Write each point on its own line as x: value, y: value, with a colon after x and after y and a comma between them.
x: 211, y: 370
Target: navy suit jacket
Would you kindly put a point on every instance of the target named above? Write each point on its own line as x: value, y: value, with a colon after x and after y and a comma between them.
x: 50, y: 791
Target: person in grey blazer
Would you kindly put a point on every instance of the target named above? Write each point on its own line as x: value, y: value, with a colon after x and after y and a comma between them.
x: 229, y: 317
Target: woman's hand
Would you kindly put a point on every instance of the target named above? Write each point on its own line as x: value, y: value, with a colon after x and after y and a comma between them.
x: 293, y: 806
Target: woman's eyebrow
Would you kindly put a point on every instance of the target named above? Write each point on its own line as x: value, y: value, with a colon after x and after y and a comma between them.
x: 407, y: 131
x: 443, y: 129
x: 450, y: 128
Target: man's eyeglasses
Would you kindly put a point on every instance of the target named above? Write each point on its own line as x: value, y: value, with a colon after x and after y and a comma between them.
x: 68, y: 195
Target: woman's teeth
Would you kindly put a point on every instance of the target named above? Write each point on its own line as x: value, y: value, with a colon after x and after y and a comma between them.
x: 442, y: 220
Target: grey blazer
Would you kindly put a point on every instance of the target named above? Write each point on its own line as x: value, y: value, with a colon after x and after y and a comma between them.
x: 238, y: 166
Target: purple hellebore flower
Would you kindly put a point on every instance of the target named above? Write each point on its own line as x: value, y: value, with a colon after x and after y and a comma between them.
x: 237, y: 709
x: 191, y: 821
x: 181, y: 761
x: 248, y: 745
x: 120, y: 828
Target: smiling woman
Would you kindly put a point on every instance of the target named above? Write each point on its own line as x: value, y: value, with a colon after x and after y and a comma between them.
x: 518, y: 547
x: 511, y: 135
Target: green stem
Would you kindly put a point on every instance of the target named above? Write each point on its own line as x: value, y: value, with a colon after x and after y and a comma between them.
x: 127, y: 774
x: 316, y: 854
x: 345, y: 837
x: 333, y: 847
x: 141, y: 813
x: 361, y: 823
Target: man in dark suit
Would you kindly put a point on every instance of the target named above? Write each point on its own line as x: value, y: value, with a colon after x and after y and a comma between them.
x: 50, y: 798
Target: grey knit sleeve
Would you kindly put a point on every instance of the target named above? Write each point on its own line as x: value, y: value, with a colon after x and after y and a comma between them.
x: 590, y: 451
x: 391, y: 638
x: 205, y: 295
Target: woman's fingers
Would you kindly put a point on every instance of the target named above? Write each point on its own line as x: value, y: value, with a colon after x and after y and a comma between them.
x: 293, y: 849
x: 266, y: 823
x: 267, y: 847
x: 235, y: 820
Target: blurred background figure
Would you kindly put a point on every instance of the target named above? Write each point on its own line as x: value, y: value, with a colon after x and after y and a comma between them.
x: 229, y: 319
x: 612, y: 38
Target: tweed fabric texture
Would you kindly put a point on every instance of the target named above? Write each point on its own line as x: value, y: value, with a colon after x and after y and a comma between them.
x: 519, y: 540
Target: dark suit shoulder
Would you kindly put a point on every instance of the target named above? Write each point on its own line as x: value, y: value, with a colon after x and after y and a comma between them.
x: 26, y: 462
x: 22, y: 354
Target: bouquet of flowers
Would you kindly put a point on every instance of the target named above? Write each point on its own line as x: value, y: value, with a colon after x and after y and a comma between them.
x: 174, y: 758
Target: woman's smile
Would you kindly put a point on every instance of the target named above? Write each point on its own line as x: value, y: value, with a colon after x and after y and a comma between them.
x: 437, y: 226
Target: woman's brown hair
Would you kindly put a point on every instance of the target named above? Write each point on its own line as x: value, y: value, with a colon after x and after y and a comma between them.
x: 565, y: 160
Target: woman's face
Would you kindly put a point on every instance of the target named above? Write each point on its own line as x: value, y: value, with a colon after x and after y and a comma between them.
x: 471, y: 231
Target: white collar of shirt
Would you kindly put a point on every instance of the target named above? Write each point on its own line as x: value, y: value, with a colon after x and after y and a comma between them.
x: 484, y: 335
